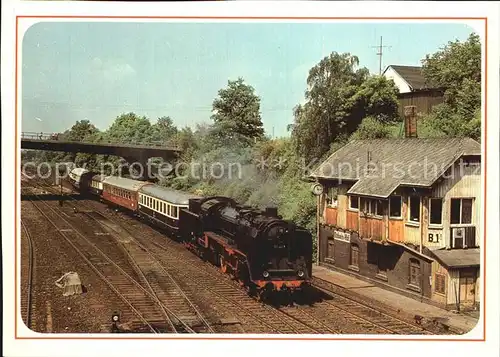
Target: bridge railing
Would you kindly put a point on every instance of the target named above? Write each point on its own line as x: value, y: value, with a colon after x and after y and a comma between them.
x: 134, y: 142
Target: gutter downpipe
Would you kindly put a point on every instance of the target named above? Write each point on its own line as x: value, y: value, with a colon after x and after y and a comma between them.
x: 317, y: 228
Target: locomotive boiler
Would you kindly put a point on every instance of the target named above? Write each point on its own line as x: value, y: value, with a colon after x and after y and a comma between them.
x: 259, y: 248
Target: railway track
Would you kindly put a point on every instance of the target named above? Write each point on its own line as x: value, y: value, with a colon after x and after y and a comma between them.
x: 26, y: 298
x: 144, y: 302
x: 372, y: 318
x: 225, y: 293
x: 328, y: 316
x: 256, y: 317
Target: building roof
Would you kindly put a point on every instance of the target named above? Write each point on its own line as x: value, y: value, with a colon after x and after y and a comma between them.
x: 458, y: 258
x: 410, y: 162
x: 167, y: 194
x: 412, y: 75
x: 125, y: 183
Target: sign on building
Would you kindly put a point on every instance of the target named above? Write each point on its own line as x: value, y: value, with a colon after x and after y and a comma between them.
x: 343, y: 236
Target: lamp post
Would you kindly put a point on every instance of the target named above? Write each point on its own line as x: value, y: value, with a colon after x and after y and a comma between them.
x: 62, y: 171
x: 115, y: 318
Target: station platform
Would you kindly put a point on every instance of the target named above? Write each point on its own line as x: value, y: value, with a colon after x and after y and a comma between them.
x: 395, y: 302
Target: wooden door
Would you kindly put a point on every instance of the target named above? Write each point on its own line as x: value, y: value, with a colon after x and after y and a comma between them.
x: 467, y: 287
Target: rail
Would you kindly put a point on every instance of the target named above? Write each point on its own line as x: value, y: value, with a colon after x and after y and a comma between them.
x: 30, y: 135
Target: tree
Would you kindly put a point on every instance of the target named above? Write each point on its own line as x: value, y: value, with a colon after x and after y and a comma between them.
x: 80, y: 131
x: 164, y: 129
x: 372, y: 128
x: 130, y: 128
x: 237, y: 113
x: 338, y: 98
x: 457, y: 69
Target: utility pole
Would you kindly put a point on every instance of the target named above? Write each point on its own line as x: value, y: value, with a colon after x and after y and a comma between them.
x: 379, y: 53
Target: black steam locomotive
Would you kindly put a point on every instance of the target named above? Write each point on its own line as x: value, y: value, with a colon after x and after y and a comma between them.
x: 259, y: 248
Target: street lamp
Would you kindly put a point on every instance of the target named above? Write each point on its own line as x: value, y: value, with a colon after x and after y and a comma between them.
x: 115, y: 318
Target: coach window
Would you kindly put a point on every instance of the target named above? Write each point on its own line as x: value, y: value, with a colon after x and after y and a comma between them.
x: 175, y: 212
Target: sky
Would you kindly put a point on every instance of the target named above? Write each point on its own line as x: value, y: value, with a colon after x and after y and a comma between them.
x: 98, y: 70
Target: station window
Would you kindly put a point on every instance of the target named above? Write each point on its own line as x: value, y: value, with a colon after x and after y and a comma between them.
x: 414, y: 209
x: 414, y: 278
x: 332, y: 199
x: 354, y: 255
x: 380, y: 207
x: 353, y: 202
x: 440, y: 283
x: 330, y: 254
x: 395, y: 207
x: 461, y: 211
x: 436, y: 211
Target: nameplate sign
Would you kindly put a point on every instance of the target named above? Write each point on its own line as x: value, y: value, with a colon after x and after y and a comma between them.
x: 343, y: 236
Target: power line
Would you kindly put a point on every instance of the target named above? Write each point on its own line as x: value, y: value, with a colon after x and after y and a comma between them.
x: 380, y: 53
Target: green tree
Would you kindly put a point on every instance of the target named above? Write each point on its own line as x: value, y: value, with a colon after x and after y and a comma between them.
x: 372, y: 128
x: 130, y: 128
x: 164, y: 129
x: 338, y: 98
x: 237, y: 113
x: 80, y: 131
x: 457, y: 69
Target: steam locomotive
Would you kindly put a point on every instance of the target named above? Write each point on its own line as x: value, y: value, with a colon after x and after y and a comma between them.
x: 258, y: 248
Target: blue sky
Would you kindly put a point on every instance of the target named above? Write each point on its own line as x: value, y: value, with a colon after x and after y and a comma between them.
x: 74, y: 71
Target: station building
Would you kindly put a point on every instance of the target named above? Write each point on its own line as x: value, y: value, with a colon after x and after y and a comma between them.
x: 405, y: 214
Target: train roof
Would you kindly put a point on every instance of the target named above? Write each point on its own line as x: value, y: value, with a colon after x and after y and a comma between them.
x: 99, y: 177
x: 168, y: 194
x: 78, y: 171
x: 125, y: 183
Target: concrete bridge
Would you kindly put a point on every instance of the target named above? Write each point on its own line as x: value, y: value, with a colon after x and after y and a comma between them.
x: 132, y: 152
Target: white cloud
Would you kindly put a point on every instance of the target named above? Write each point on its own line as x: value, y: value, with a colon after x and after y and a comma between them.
x: 111, y: 70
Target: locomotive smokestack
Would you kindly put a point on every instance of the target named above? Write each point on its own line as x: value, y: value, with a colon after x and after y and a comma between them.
x: 272, y: 211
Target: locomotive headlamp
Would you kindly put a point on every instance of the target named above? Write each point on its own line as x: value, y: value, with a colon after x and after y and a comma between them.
x: 300, y: 273
x: 265, y: 274
x: 115, y: 317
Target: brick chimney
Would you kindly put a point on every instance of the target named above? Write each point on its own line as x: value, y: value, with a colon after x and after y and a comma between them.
x: 410, y: 122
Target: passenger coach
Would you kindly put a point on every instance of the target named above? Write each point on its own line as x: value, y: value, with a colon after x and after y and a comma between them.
x: 122, y: 191
x: 96, y: 184
x: 78, y: 177
x: 161, y: 206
